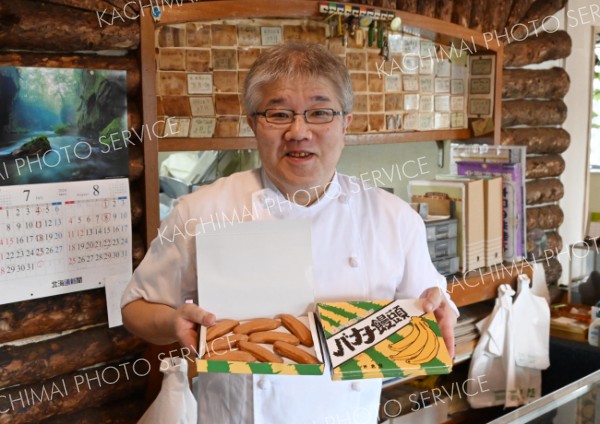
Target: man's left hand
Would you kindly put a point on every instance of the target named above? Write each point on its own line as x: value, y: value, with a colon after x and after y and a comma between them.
x: 434, y: 300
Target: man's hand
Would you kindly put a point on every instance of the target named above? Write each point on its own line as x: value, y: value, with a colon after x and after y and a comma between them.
x: 434, y: 300
x: 185, y: 320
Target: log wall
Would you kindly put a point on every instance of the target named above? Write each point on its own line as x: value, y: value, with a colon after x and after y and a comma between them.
x: 532, y: 112
x: 52, y: 349
x: 56, y: 342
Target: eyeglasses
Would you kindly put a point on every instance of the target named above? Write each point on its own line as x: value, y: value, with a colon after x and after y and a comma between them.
x: 311, y: 116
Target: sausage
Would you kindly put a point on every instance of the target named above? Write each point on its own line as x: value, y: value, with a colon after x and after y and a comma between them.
x: 273, y: 336
x: 220, y: 328
x: 231, y: 355
x: 294, y: 353
x: 259, y: 352
x: 258, y: 324
x: 297, y: 328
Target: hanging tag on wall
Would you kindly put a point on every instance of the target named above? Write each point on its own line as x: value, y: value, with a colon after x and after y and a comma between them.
x: 385, y: 51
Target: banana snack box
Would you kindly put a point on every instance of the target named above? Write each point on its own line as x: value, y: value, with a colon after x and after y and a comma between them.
x: 389, y: 338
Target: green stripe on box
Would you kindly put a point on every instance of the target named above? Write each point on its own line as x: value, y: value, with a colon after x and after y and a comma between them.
x: 350, y: 370
x: 217, y: 366
x: 330, y: 321
x: 260, y: 368
x: 338, y: 311
x: 368, y: 306
x: 435, y: 365
x: 388, y: 367
x: 309, y: 369
x: 434, y: 327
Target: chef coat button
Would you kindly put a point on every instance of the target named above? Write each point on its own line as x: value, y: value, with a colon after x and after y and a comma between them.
x: 355, y: 386
x: 353, y: 260
x: 263, y: 384
x: 343, y: 198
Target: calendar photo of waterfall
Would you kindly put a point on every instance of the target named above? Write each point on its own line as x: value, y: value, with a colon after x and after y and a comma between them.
x: 60, y: 125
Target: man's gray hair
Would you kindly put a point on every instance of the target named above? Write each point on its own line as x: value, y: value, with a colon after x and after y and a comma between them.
x: 294, y: 60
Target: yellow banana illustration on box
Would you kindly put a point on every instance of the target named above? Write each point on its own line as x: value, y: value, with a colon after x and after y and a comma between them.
x: 367, y: 339
x: 420, y: 346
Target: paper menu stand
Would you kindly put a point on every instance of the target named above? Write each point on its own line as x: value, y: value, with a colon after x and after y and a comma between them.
x: 256, y: 269
x: 468, y: 213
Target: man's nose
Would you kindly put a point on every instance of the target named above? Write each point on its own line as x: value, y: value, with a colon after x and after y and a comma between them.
x: 299, y: 129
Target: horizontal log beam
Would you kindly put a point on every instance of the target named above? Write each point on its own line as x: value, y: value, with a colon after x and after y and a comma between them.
x: 544, y: 191
x: 477, y: 14
x: 554, y: 241
x: 134, y: 120
x: 544, y: 217
x: 488, y: 14
x: 129, y: 63
x: 538, y: 140
x: 461, y: 12
x: 137, y: 207
x: 553, y: 270
x: 518, y: 11
x: 535, y: 83
x: 538, y: 49
x: 89, y: 5
x: 544, y: 166
x: 533, y: 112
x: 426, y: 8
x: 535, y: 18
x: 136, y: 163
x: 127, y: 411
x: 138, y: 250
x: 501, y: 11
x: 39, y: 26
x: 409, y: 6
x: 54, y: 314
x: 72, y: 392
x: 444, y: 10
x: 28, y: 363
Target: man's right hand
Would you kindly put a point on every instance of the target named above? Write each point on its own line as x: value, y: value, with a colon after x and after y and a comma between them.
x: 185, y: 322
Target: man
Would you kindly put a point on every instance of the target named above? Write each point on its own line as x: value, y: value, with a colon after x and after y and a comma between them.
x: 366, y: 243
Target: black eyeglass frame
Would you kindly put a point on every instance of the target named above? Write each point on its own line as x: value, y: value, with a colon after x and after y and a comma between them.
x: 334, y: 113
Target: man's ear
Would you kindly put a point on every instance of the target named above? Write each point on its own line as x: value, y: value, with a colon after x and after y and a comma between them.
x: 347, y: 121
x: 251, y: 122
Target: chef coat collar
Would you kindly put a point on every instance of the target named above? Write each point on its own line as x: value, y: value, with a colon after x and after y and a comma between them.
x: 280, y: 207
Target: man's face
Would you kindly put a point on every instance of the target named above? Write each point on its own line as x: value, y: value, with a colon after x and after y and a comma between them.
x: 299, y: 156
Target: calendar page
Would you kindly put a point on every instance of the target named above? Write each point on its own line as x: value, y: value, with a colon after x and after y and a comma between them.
x: 63, y: 237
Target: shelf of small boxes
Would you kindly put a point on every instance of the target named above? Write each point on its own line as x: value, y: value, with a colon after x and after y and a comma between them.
x: 201, y: 67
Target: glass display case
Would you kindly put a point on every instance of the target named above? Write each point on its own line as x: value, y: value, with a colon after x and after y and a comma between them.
x: 576, y: 403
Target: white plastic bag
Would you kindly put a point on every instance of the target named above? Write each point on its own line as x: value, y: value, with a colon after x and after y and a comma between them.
x: 175, y: 403
x: 492, y: 359
x: 530, y: 329
x: 531, y: 315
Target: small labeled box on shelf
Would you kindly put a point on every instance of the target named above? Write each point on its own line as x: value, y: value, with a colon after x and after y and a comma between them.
x: 443, y: 245
x: 438, y: 230
x: 442, y: 248
x: 446, y: 266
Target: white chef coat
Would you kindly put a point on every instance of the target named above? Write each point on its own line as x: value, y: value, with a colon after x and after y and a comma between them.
x: 366, y: 244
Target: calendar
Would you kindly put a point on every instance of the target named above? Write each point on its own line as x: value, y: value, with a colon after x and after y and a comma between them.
x: 63, y: 237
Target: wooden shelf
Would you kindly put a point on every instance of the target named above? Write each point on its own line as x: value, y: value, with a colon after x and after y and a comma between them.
x: 482, y: 284
x: 439, y: 31
x: 172, y: 144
